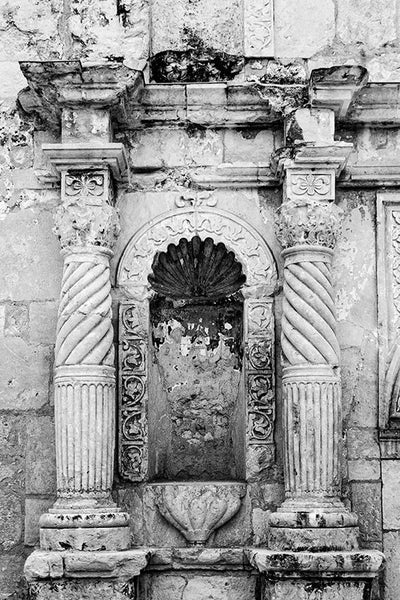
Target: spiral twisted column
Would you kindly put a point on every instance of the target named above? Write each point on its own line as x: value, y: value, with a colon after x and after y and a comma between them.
x: 85, y: 516
x: 312, y: 515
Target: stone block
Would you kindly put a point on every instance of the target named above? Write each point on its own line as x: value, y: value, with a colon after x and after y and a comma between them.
x: 85, y: 538
x: 391, y: 494
x: 179, y: 23
x: 44, y: 565
x: 24, y: 374
x: 34, y: 508
x: 29, y: 247
x: 391, y: 549
x: 362, y: 443
x: 364, y: 23
x: 126, y: 565
x: 255, y: 145
x: 292, y: 38
x: 16, y: 320
x: 43, y: 322
x: 130, y: 500
x: 11, y: 576
x: 10, y: 520
x: 364, y: 470
x: 326, y: 590
x: 40, y: 456
x: 192, y: 586
x: 366, y: 503
x: 12, y: 80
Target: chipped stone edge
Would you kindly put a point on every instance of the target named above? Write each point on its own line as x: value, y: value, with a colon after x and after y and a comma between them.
x: 123, y: 565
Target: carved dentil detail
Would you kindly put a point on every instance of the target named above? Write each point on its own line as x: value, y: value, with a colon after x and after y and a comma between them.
x: 84, y: 328
x: 308, y: 321
x: 307, y: 221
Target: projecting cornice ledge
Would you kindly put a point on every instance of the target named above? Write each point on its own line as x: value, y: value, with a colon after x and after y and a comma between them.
x: 55, y: 85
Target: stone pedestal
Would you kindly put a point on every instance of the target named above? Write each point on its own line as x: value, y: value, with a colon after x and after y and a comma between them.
x: 322, y: 575
x: 70, y: 575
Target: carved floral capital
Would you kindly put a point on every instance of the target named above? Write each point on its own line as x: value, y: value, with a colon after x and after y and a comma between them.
x: 308, y: 222
x: 86, y: 216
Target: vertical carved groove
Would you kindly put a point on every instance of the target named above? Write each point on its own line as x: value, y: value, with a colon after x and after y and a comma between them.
x: 86, y: 426
x: 311, y: 415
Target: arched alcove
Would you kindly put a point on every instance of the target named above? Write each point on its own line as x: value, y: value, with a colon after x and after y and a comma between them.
x: 169, y: 285
x: 196, y: 359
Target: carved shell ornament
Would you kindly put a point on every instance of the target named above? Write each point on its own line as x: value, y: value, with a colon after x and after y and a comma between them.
x: 196, y: 269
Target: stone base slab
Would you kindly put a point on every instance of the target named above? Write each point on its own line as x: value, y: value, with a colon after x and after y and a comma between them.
x: 85, y: 538
x: 308, y: 575
x: 298, y: 539
x: 52, y: 566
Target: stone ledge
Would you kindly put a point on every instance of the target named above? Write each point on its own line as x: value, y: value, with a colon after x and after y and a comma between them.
x: 362, y: 563
x: 124, y: 565
x: 214, y: 559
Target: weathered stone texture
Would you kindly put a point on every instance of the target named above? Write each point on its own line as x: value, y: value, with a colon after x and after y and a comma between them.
x: 367, y: 504
x: 34, y: 508
x: 40, y: 456
x: 292, y: 39
x: 180, y: 24
x: 195, y: 586
x: 391, y: 548
x: 391, y: 494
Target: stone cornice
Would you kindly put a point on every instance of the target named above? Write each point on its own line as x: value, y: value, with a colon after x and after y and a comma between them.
x: 86, y: 156
x: 336, y: 88
x: 54, y: 85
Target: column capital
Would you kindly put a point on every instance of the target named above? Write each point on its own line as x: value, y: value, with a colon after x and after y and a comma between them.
x: 87, y: 217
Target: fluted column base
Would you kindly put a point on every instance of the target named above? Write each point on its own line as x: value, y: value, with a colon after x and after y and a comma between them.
x: 84, y: 516
x: 312, y: 517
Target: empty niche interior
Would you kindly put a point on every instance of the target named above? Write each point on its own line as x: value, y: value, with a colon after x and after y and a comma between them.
x: 196, y: 400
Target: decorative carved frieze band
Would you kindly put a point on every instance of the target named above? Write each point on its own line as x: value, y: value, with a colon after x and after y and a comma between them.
x: 259, y: 332
x: 86, y: 216
x: 388, y: 246
x: 133, y: 392
x: 248, y: 246
x: 258, y: 28
x: 303, y: 184
x: 308, y: 221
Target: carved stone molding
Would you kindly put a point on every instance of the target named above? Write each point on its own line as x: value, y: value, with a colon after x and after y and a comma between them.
x: 258, y: 28
x: 197, y: 509
x: 259, y: 365
x: 308, y: 222
x: 388, y: 216
x: 135, y: 266
x: 303, y: 184
x: 248, y: 246
x: 133, y: 392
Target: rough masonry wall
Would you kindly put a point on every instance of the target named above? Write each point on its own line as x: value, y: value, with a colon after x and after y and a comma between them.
x: 311, y: 32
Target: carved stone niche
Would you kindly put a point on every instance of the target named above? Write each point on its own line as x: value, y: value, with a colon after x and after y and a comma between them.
x: 196, y: 357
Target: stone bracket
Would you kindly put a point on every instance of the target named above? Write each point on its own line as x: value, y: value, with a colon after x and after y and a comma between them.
x: 337, y: 88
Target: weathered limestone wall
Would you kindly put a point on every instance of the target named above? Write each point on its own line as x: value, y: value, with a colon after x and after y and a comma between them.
x: 310, y: 33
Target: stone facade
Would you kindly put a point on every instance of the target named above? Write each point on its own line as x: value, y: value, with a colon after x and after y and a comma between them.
x: 167, y: 434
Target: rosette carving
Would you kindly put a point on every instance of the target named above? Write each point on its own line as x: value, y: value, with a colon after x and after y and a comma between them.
x: 308, y: 322
x: 309, y: 222
x: 84, y: 333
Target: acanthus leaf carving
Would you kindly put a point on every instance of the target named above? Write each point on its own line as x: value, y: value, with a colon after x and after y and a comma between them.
x: 308, y: 222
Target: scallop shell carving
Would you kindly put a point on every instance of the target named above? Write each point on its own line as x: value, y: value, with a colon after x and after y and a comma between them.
x: 196, y: 269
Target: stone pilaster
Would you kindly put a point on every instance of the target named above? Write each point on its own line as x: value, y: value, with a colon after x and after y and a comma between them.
x: 312, y: 515
x: 87, y: 225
